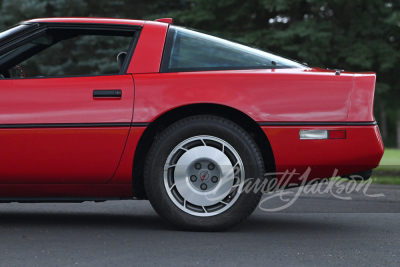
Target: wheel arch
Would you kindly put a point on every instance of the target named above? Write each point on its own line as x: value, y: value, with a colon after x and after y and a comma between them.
x: 176, y: 114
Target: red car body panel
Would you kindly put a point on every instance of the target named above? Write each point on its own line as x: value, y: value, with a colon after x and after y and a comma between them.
x: 41, y: 154
x: 97, y: 161
x: 61, y: 155
x: 293, y: 95
x: 348, y: 155
x: 149, y: 49
x: 65, y: 100
x: 362, y: 97
x: 124, y: 172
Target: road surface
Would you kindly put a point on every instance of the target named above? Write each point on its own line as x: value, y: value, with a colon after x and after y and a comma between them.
x: 317, y: 230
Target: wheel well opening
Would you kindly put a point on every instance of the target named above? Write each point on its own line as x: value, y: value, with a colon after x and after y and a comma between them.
x: 172, y: 116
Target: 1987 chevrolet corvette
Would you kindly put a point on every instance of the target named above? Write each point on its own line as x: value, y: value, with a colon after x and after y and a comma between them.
x: 181, y: 118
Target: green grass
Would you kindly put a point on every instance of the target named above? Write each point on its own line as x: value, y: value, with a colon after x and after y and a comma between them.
x: 386, y: 179
x: 388, y: 171
x: 390, y: 160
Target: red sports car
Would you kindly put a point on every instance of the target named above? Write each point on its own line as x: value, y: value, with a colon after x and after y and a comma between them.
x: 95, y: 109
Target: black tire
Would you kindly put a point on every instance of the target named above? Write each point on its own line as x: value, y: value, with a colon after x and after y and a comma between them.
x: 174, y: 135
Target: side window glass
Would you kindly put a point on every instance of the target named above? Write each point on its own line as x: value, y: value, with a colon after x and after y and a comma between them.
x: 188, y: 50
x: 60, y: 53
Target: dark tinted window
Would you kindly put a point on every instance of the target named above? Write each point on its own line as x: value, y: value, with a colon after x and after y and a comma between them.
x: 69, y: 53
x: 188, y: 50
x: 82, y: 55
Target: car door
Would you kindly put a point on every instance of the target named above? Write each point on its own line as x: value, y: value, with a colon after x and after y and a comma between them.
x: 64, y: 129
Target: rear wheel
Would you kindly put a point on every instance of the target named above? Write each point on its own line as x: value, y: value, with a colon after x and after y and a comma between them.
x: 196, y: 170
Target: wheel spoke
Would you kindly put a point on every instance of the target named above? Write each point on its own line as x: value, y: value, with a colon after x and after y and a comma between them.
x: 204, y: 209
x: 169, y: 166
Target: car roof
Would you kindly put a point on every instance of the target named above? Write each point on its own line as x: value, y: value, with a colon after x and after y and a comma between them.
x: 91, y: 21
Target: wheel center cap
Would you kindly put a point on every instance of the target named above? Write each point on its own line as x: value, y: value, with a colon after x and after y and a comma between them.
x: 204, y: 175
x: 193, y: 191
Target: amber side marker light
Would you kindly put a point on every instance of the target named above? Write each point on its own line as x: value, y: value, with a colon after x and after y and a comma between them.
x: 322, y: 134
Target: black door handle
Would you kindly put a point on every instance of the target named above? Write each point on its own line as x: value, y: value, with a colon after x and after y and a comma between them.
x: 107, y: 93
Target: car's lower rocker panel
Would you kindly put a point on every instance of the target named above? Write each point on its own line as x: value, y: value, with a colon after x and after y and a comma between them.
x: 56, y: 200
x: 64, y: 192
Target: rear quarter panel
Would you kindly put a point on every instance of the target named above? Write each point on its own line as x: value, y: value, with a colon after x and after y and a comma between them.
x: 291, y: 95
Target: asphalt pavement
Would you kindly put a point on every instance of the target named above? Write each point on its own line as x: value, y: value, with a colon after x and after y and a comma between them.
x: 326, y: 229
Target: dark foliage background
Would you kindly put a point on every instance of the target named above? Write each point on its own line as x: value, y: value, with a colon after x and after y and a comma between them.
x: 356, y: 35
